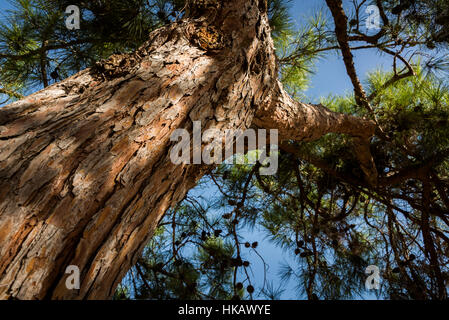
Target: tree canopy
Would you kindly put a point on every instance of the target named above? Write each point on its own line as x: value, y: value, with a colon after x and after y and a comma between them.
x: 319, y: 209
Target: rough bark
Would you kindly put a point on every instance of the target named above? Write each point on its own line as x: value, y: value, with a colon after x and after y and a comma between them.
x: 85, y: 173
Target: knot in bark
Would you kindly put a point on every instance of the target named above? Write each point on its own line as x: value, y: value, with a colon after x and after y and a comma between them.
x: 208, y: 38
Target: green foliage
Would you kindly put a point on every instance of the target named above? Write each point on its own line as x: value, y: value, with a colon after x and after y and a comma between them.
x: 318, y: 209
x: 429, y: 15
x: 298, y: 50
x: 35, y: 44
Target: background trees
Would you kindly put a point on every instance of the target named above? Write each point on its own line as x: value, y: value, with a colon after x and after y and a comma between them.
x: 318, y: 208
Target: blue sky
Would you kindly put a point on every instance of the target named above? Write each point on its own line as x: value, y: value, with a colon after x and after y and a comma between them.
x: 330, y: 78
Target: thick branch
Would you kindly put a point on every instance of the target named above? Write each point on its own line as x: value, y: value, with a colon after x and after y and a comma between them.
x: 306, y: 122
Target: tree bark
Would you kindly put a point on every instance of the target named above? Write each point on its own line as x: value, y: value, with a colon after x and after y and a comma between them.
x: 85, y: 171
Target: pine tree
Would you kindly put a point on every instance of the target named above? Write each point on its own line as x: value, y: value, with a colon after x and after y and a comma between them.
x: 86, y: 178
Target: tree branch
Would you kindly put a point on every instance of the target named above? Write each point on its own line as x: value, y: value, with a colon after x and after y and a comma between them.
x: 45, y: 48
x: 341, y: 23
x: 307, y: 122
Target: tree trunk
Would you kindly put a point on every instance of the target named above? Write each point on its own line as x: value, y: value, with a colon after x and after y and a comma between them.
x: 85, y: 171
